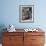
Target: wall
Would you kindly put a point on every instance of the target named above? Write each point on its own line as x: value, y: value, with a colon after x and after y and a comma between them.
x: 9, y: 13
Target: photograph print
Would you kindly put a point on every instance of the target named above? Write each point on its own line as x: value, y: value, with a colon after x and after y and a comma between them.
x: 26, y: 13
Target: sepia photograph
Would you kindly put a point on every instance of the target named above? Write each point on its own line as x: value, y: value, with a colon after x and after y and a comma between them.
x: 26, y: 13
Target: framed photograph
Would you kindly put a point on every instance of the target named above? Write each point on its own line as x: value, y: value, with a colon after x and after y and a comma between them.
x: 26, y: 13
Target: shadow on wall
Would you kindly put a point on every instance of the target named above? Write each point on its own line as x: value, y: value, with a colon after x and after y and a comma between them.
x: 2, y: 26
